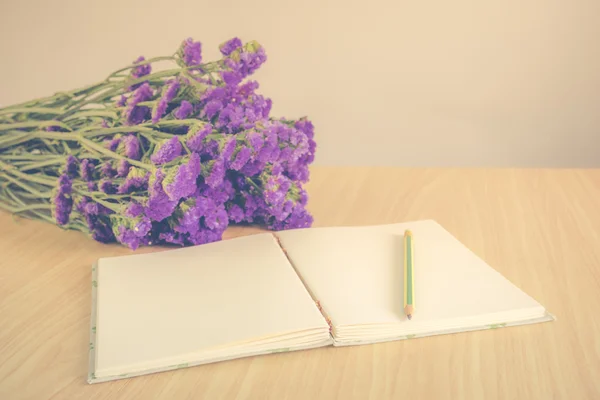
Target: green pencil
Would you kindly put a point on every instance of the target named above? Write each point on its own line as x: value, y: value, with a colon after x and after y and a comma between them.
x: 409, y: 276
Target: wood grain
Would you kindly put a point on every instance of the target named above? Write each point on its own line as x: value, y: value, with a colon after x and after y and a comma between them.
x: 539, y: 228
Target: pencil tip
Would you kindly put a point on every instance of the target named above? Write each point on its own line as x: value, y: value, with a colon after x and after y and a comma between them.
x: 409, y: 316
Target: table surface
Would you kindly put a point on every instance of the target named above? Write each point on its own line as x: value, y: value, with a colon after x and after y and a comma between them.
x: 539, y: 228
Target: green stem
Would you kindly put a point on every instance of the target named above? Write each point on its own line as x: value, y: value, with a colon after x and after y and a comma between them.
x: 43, y: 164
x: 32, y: 110
x: 12, y: 170
x: 38, y: 124
x: 146, y: 62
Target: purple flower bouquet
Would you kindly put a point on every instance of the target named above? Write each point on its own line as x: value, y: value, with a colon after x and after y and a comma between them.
x: 167, y: 157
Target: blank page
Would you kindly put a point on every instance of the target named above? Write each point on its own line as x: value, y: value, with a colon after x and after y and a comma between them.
x: 157, y: 309
x: 357, y: 275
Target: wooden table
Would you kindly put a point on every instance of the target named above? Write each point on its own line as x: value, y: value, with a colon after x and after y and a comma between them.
x: 539, y: 228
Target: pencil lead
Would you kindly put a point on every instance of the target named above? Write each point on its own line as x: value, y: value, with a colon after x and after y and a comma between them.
x: 409, y: 316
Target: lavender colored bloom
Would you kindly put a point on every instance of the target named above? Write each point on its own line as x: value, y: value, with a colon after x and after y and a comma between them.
x: 231, y: 118
x: 304, y: 125
x: 92, y: 187
x: 134, y: 114
x: 298, y: 218
x: 231, y: 78
x: 62, y: 201
x: 204, y: 236
x: 212, y: 108
x: 166, y: 151
x: 171, y: 237
x: 159, y: 205
x: 217, y: 173
x: 141, y: 70
x: 192, y: 210
x: 134, y: 210
x: 72, y: 166
x: 112, y: 144
x: 104, y: 124
x: 241, y: 158
x: 121, y: 102
x: 217, y: 218
x: 131, y: 232
x: 123, y: 168
x: 228, y: 149
x: 196, y: 135
x: 137, y: 179
x: 247, y: 60
x: 256, y: 140
x: 236, y: 214
x: 107, y: 170
x: 107, y: 187
x: 191, y: 52
x: 184, y: 110
x: 129, y: 146
x: 230, y: 46
x: 180, y: 181
x: 169, y: 92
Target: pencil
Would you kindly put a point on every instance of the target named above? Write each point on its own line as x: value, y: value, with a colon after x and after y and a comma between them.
x: 409, y: 276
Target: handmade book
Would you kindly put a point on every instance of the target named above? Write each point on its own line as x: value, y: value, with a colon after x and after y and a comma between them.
x: 291, y: 290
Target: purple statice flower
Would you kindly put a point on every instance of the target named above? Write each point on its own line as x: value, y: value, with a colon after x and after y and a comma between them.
x: 121, y: 102
x: 231, y: 118
x: 256, y: 140
x: 180, y: 181
x: 131, y: 232
x: 133, y: 210
x: 92, y: 186
x: 123, y: 168
x: 228, y: 149
x: 191, y: 52
x: 129, y: 146
x: 217, y: 218
x: 134, y: 114
x: 236, y: 214
x: 113, y: 143
x: 107, y: 186
x: 196, y: 136
x: 231, y: 78
x: 62, y: 201
x: 169, y: 92
x: 220, y: 193
x: 96, y: 219
x: 71, y: 166
x: 230, y: 46
x: 246, y: 60
x: 298, y: 218
x: 104, y: 124
x: 305, y: 126
x: 159, y: 205
x: 172, y: 237
x: 217, y: 173
x: 140, y: 70
x: 166, y: 151
x: 191, y: 211
x: 184, y: 110
x: 206, y: 235
x: 137, y: 179
x: 107, y: 170
x: 212, y: 108
x: 241, y: 158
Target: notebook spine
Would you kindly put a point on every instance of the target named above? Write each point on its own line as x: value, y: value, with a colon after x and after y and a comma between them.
x: 325, y: 316
x: 317, y: 302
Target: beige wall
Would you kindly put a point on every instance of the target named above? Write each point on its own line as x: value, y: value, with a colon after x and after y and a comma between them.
x: 463, y: 82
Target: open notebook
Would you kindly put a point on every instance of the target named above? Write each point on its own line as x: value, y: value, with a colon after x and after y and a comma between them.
x: 290, y: 290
